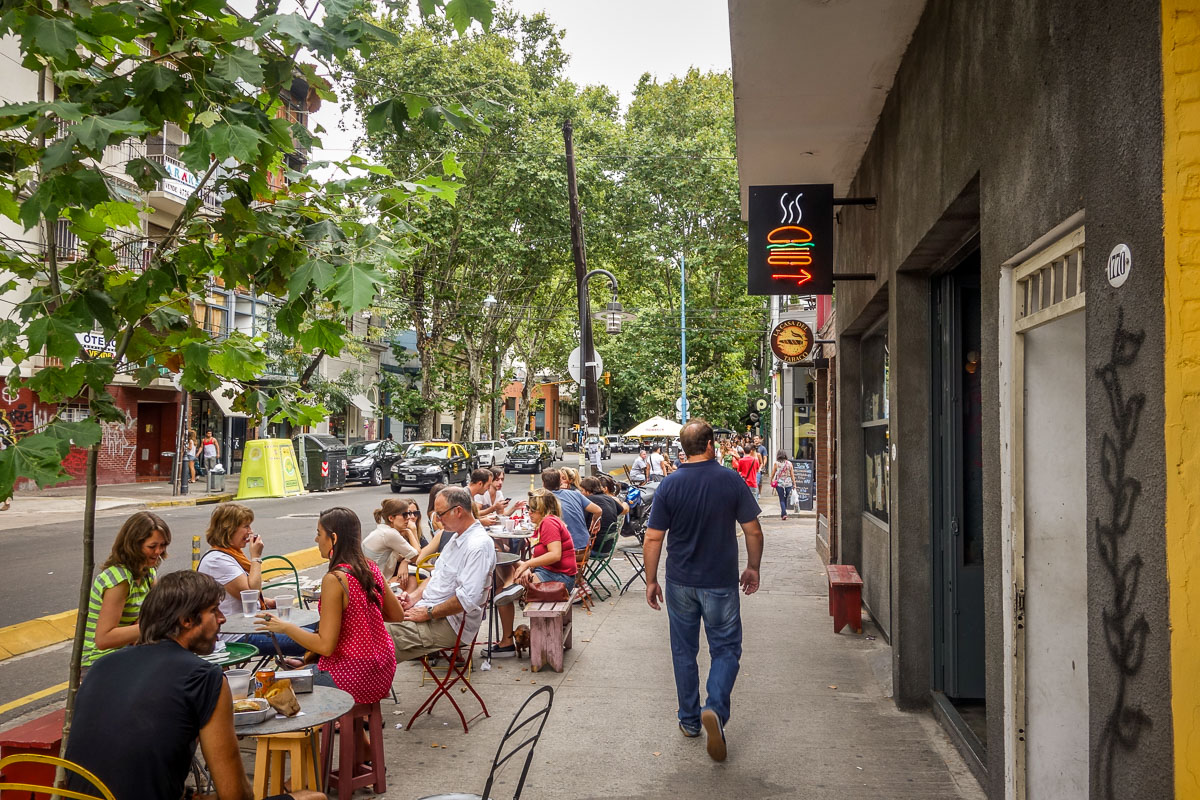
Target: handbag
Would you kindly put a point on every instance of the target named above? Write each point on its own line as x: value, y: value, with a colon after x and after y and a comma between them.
x: 549, y: 592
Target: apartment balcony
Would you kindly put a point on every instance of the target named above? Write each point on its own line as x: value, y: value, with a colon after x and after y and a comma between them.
x: 172, y: 193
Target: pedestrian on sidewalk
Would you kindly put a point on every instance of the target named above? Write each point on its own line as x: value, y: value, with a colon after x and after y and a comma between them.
x: 211, y: 451
x: 783, y: 478
x: 189, y: 455
x: 747, y: 467
x: 699, y: 504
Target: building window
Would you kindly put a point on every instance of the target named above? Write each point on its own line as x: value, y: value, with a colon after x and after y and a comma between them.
x: 876, y: 444
x: 73, y: 412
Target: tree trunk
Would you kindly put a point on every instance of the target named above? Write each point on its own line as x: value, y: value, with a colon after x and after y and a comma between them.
x: 428, y: 390
x: 471, y: 409
x: 85, y: 590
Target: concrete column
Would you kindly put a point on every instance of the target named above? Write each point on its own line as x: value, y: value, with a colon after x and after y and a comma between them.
x: 849, y: 487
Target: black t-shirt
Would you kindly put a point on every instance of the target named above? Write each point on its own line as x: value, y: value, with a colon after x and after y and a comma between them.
x: 699, y: 504
x: 610, y: 509
x: 137, y: 718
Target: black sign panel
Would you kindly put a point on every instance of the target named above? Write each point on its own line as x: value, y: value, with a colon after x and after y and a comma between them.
x: 791, y: 239
x: 805, y: 484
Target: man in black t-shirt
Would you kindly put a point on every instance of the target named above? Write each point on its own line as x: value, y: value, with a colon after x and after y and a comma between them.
x: 699, y: 504
x: 141, y: 709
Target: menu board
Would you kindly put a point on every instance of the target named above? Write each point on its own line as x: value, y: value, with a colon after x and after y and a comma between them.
x: 805, y: 470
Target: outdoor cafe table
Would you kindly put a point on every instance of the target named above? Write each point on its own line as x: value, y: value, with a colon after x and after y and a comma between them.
x: 241, y: 624
x: 319, y: 707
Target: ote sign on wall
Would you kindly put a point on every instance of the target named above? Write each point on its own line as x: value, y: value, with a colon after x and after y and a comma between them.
x: 790, y: 249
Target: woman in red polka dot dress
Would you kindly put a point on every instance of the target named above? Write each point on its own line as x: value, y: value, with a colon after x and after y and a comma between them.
x: 355, y: 648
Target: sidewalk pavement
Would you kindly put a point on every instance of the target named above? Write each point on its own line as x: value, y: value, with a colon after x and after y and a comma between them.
x: 59, y: 502
x: 811, y: 712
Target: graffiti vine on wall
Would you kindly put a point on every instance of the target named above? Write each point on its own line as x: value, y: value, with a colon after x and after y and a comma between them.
x: 1125, y: 631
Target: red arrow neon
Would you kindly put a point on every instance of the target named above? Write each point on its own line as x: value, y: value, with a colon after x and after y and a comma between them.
x: 803, y: 277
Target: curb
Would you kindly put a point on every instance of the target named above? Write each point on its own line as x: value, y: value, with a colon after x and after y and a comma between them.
x: 34, y: 634
x: 191, y: 501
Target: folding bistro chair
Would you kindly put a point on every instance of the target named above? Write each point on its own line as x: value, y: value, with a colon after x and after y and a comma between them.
x: 581, y: 588
x: 457, y: 667
x: 37, y: 758
x: 288, y: 576
x: 601, y: 559
x: 635, y: 556
x: 527, y: 724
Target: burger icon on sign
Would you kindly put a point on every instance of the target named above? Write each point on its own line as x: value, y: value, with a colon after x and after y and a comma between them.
x: 789, y: 246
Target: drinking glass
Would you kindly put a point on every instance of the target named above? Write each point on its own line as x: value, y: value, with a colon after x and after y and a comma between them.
x: 239, y: 682
x: 249, y: 602
x: 283, y: 605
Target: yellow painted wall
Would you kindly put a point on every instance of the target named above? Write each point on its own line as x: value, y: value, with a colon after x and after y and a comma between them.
x: 1181, y: 234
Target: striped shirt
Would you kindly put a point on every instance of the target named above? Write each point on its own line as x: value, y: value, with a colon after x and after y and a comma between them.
x: 108, y: 579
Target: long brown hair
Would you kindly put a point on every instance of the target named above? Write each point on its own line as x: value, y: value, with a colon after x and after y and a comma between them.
x: 347, y: 549
x: 391, y: 506
x: 127, y: 549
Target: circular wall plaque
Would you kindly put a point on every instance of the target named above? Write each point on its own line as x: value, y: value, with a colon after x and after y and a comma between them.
x: 791, y: 341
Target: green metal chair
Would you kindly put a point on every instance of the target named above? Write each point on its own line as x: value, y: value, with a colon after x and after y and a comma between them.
x: 600, y: 561
x: 290, y: 576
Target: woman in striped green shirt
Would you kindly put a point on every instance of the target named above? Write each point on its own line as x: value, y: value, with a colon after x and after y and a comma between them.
x: 123, y: 582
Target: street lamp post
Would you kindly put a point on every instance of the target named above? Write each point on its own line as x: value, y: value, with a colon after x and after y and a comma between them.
x: 490, y: 304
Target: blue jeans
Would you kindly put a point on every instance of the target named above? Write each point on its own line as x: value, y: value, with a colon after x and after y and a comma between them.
x: 720, y: 610
x: 546, y: 575
x: 784, y: 493
x: 266, y: 647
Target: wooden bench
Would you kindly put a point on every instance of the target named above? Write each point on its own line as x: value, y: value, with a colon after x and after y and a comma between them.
x: 42, y: 736
x: 845, y: 597
x: 549, y: 633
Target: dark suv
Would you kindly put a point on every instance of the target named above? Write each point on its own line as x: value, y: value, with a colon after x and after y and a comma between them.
x: 370, y: 462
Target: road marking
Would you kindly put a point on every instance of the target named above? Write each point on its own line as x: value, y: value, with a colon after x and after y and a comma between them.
x: 29, y: 698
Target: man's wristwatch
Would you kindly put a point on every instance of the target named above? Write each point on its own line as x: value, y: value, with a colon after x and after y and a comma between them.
x: 429, y: 611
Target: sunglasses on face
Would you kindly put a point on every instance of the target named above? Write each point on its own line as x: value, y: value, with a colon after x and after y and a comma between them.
x: 412, y: 513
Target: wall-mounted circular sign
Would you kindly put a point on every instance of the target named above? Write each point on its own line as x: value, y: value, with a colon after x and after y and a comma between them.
x: 791, y: 341
x: 1120, y: 262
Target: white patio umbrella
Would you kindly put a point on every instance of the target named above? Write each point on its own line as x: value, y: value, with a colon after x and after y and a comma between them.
x: 655, y: 426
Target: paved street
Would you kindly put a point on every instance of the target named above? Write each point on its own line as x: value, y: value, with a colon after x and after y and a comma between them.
x: 41, y: 564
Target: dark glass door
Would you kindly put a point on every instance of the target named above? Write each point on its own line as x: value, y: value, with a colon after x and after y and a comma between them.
x: 957, y: 514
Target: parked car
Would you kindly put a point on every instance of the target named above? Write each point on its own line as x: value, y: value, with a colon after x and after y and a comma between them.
x: 472, y: 453
x: 555, y: 448
x: 605, y: 450
x: 529, y: 457
x: 370, y: 462
x: 614, y: 442
x: 491, y: 454
x: 432, y: 462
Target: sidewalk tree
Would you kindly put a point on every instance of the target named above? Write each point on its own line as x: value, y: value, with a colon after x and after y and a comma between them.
x: 118, y: 72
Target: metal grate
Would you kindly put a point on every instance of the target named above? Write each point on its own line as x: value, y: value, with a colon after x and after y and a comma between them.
x: 1050, y: 283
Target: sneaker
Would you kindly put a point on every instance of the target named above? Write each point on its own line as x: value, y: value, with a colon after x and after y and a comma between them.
x: 688, y: 732
x: 501, y: 651
x: 714, y: 732
x: 509, y: 595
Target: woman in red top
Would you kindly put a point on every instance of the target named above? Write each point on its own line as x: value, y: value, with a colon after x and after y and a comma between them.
x: 352, y: 642
x: 553, y: 554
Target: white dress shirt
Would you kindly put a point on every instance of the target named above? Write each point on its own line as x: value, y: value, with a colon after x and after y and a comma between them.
x: 463, y: 570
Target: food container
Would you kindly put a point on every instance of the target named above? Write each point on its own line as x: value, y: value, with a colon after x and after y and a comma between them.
x: 302, y: 679
x: 253, y: 717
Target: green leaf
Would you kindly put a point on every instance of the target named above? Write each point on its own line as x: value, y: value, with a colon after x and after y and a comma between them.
x: 315, y: 271
x: 415, y: 104
x: 324, y: 334
x: 207, y: 118
x: 323, y: 231
x: 234, y: 141
x: 36, y: 457
x: 462, y: 12
x: 56, y: 334
x: 429, y: 7
x: 239, y: 358
x: 388, y: 111
x: 84, y: 433
x: 451, y: 166
x: 53, y: 36
x: 239, y: 64
x: 355, y: 286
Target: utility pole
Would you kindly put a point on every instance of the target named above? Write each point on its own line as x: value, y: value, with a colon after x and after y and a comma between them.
x: 683, y: 401
x: 590, y: 394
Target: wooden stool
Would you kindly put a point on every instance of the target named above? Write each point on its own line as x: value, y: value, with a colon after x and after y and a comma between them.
x: 845, y: 597
x: 269, y: 766
x: 352, y: 771
x: 549, y: 634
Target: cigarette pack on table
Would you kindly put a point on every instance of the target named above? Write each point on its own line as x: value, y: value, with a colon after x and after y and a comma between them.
x: 302, y: 679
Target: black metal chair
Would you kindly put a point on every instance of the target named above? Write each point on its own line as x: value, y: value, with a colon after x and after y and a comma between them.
x: 535, y: 717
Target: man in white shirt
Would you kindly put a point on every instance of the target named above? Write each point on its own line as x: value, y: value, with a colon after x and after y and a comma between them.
x: 658, y: 464
x: 637, y: 473
x: 456, y: 589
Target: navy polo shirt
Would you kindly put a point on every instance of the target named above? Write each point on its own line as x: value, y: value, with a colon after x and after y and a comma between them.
x: 700, y: 505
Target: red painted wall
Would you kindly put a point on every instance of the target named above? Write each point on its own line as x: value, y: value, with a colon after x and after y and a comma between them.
x: 119, y: 453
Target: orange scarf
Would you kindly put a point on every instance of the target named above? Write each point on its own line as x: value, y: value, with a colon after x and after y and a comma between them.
x: 236, y: 555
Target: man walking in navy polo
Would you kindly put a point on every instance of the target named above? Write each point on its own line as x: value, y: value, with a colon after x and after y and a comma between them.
x: 700, y: 504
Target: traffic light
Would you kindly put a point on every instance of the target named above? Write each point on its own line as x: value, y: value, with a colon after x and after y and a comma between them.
x: 607, y: 377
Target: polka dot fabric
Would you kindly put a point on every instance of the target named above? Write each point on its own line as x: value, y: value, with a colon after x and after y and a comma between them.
x: 364, y: 661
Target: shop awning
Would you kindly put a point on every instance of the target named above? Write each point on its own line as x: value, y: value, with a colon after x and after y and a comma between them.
x: 223, y: 396
x: 361, y: 402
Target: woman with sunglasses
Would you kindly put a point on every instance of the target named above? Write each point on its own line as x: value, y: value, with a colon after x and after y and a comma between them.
x: 396, y: 540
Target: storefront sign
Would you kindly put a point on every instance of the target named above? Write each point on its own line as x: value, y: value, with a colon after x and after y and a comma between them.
x: 790, y: 249
x: 791, y: 341
x: 96, y: 346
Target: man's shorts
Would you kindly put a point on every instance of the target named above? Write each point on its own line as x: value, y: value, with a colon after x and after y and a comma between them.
x: 416, y: 639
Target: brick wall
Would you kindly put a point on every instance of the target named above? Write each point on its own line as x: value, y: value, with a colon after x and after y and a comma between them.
x: 826, y: 494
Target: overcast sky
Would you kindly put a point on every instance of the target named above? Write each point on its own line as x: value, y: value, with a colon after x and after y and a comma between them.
x: 611, y: 42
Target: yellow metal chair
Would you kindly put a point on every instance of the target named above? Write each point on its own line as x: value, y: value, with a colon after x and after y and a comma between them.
x: 37, y: 758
